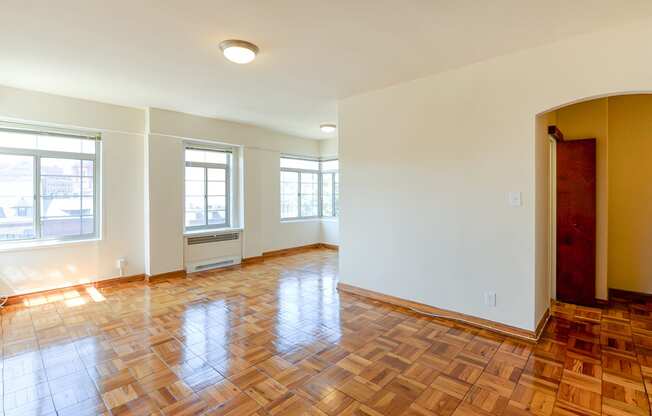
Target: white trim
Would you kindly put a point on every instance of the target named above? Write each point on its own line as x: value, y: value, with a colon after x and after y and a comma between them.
x: 214, y: 231
x: 552, y: 217
x: 28, y: 245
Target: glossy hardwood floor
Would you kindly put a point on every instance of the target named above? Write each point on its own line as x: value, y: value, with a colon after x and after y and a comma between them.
x: 277, y: 338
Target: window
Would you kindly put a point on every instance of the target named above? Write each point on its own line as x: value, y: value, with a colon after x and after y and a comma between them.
x: 309, y: 188
x: 299, y: 188
x: 207, y: 195
x: 48, y: 184
x: 330, y: 188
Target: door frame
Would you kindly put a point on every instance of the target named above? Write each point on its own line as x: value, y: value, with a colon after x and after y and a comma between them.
x: 552, y: 216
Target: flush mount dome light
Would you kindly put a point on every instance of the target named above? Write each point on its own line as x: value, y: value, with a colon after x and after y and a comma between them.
x: 239, y: 51
x: 327, y: 128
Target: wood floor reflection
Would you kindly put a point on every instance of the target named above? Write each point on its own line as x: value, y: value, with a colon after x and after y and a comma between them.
x: 276, y: 338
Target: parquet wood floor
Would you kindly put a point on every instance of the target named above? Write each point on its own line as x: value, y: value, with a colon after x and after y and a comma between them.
x: 276, y: 338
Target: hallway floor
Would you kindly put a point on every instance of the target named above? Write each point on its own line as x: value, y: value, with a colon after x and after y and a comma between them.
x: 276, y: 338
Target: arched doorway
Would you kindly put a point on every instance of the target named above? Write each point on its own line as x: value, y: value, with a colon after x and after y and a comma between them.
x: 618, y: 128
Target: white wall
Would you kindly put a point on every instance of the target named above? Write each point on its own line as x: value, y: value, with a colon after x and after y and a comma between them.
x: 450, y: 147
x: 142, y: 190
x: 260, y: 150
x: 34, y: 269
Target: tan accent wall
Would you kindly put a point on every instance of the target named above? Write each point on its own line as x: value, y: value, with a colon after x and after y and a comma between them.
x: 630, y: 193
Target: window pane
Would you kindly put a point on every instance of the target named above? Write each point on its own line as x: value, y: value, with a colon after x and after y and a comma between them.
x: 16, y: 197
x: 216, y: 217
x: 195, y: 174
x: 336, y: 179
x: 330, y: 165
x: 216, y: 174
x: 87, y: 206
x: 30, y: 140
x: 327, y: 195
x: 66, y: 144
x: 216, y: 203
x: 299, y: 164
x: 194, y: 188
x: 60, y: 207
x: 195, y: 211
x: 87, y: 167
x: 88, y: 225
x: 60, y: 216
x: 309, y: 195
x: 50, y: 166
x: 206, y: 156
x: 217, y: 188
x: 61, y: 227
x: 87, y: 186
x: 289, y: 194
x: 61, y: 185
x: 17, y: 140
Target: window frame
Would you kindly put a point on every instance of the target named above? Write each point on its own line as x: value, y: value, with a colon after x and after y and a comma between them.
x: 320, y: 184
x: 37, y: 155
x: 331, y: 172
x: 227, y: 186
x: 300, y: 172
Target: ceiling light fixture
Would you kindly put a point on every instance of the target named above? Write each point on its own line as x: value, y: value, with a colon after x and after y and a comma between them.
x: 239, y: 51
x: 327, y: 128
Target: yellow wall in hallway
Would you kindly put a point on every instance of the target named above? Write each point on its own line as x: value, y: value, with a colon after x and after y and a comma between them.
x: 630, y: 193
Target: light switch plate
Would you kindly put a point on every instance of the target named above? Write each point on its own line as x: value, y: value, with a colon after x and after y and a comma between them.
x: 515, y: 199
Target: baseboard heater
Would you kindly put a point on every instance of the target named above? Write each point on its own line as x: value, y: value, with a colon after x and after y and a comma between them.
x: 212, y: 251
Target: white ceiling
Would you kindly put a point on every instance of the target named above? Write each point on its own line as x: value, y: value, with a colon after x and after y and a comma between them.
x: 164, y: 53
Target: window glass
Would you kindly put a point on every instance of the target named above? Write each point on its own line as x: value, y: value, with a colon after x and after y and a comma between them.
x: 16, y: 197
x: 309, y: 188
x: 330, y: 165
x: 59, y: 173
x: 206, y: 156
x: 289, y: 194
x: 302, y: 164
x: 13, y: 140
x: 327, y: 195
x: 207, y: 189
x: 66, y: 196
x: 309, y: 194
x: 336, y: 187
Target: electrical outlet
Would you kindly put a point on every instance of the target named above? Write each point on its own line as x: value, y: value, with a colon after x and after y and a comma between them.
x: 490, y: 299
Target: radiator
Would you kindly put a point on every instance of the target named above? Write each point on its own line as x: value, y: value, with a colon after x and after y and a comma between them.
x: 211, y: 251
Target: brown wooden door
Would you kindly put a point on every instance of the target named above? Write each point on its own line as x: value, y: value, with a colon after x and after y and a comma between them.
x: 576, y: 198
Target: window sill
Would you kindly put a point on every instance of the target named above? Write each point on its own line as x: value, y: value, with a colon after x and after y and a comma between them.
x: 199, y: 233
x: 330, y: 219
x: 293, y: 220
x: 37, y: 245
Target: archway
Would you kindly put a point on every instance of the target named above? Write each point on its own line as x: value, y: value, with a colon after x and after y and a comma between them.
x: 621, y: 125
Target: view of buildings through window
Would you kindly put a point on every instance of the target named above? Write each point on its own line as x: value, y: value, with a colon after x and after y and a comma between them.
x: 47, y: 186
x: 207, y: 193
x: 309, y: 188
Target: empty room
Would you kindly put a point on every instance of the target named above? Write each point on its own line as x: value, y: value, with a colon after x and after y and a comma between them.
x: 360, y: 208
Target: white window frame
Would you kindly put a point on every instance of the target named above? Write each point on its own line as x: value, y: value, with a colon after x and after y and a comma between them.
x: 37, y: 155
x: 320, y: 180
x: 228, y: 185
x: 331, y: 172
x: 300, y: 172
